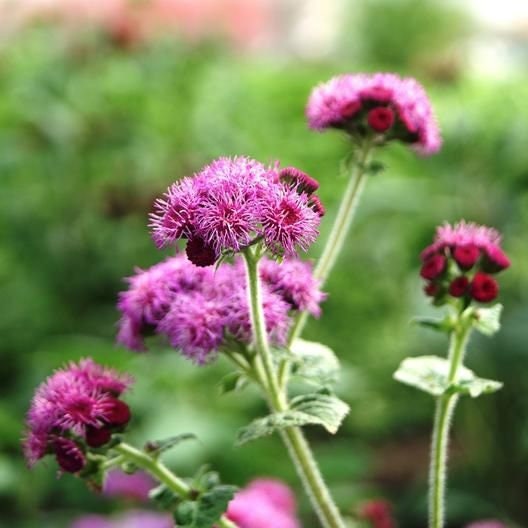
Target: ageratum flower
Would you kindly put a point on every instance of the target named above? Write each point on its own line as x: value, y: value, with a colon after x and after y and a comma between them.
x: 76, y: 407
x: 461, y: 261
x: 234, y: 201
x: 198, y: 308
x: 383, y: 105
x: 262, y: 504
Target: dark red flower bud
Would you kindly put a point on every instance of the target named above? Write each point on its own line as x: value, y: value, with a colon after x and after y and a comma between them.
x: 350, y: 109
x: 495, y: 260
x: 381, y: 118
x: 97, y: 437
x: 484, y: 288
x: 299, y: 180
x: 118, y: 413
x: 433, y: 267
x: 379, y: 513
x: 199, y: 253
x: 466, y: 256
x: 459, y: 287
x: 317, y: 206
x: 431, y: 289
x: 69, y: 455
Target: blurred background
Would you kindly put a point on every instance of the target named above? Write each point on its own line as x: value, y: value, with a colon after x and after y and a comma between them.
x: 104, y: 103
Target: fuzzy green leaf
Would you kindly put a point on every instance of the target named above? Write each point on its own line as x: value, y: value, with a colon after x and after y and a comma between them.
x: 309, y: 409
x: 157, y: 447
x: 430, y: 373
x: 314, y: 362
x: 487, y: 320
x: 232, y: 382
x: 212, y: 505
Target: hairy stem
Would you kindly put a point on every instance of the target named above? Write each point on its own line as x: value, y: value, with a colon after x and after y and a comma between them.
x: 296, y: 444
x: 340, y: 228
x: 445, y: 408
x: 162, y: 474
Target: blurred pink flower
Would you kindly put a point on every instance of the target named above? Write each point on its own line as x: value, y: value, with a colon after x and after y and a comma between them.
x: 135, y: 486
x: 488, y: 523
x: 131, y: 519
x: 264, y: 503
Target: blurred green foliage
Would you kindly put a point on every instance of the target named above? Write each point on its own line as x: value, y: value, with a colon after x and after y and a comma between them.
x: 91, y: 133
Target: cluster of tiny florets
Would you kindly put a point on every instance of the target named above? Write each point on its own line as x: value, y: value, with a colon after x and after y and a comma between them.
x: 382, y: 104
x: 76, y: 408
x: 461, y: 261
x: 234, y: 201
x: 197, y: 309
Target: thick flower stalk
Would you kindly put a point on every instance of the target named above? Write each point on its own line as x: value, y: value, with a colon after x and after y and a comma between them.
x: 459, y: 269
x: 372, y: 110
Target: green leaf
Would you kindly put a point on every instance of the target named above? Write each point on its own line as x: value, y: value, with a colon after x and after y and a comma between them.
x: 314, y: 362
x: 430, y: 374
x: 212, y: 505
x: 163, y: 497
x: 232, y: 382
x: 441, y: 325
x: 309, y: 409
x: 328, y: 409
x: 487, y: 320
x: 374, y: 167
x: 157, y: 447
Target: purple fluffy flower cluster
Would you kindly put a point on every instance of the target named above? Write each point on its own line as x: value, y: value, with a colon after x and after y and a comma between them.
x: 262, y: 504
x: 382, y: 103
x: 234, y: 201
x: 197, y: 308
x: 76, y: 407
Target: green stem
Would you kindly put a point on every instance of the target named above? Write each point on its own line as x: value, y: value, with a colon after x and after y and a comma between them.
x: 296, y: 444
x: 445, y: 408
x: 339, y: 231
x: 161, y: 473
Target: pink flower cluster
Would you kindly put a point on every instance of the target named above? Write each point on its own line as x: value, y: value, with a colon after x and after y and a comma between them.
x: 232, y: 202
x: 264, y: 503
x: 382, y: 104
x: 460, y: 263
x: 197, y: 308
x: 378, y: 513
x: 75, y: 408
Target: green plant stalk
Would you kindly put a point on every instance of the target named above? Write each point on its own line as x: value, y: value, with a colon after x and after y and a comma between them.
x: 340, y: 229
x: 296, y: 444
x: 161, y: 473
x: 445, y: 408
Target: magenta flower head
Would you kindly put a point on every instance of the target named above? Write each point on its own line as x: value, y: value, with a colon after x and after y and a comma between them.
x: 262, y: 504
x: 461, y: 261
x: 382, y: 105
x: 233, y: 202
x: 76, y: 408
x: 198, y: 309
